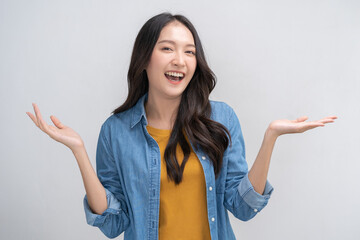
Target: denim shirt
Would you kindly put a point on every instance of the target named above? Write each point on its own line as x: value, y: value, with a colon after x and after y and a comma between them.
x: 128, y: 166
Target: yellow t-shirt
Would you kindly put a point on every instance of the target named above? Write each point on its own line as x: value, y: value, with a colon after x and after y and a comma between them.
x: 183, y: 211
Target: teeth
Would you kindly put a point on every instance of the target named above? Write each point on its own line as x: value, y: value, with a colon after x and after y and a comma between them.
x: 174, y: 74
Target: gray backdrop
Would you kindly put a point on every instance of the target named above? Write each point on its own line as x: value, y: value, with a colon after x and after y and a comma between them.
x: 273, y: 59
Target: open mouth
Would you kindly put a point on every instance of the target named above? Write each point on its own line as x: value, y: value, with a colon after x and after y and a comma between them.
x: 174, y: 76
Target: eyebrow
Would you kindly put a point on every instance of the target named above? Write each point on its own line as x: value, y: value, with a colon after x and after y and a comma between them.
x: 172, y: 42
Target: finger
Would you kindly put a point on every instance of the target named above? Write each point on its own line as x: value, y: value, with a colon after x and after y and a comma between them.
x: 36, y: 114
x: 327, y: 119
x: 316, y: 124
x: 301, y: 119
x: 56, y: 122
x: 33, y: 118
x: 42, y: 124
x: 312, y: 125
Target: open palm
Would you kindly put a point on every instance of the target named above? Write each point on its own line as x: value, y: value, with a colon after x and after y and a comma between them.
x: 59, y: 132
x: 285, y: 126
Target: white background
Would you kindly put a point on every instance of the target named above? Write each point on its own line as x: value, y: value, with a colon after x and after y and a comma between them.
x: 273, y: 59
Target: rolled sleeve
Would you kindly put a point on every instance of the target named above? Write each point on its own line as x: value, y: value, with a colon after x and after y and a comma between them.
x: 97, y: 220
x: 255, y: 200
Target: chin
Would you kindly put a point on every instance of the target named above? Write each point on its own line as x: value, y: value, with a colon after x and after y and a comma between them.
x: 173, y: 94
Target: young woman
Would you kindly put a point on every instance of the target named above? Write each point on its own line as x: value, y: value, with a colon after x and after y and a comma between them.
x: 170, y: 162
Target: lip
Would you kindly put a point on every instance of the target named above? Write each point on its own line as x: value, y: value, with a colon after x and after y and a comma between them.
x: 176, y: 72
x: 175, y: 83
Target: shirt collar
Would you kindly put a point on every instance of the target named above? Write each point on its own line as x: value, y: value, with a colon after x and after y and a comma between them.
x: 139, y: 111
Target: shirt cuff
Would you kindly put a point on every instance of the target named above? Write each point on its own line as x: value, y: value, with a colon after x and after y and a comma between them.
x: 98, y: 220
x: 255, y: 200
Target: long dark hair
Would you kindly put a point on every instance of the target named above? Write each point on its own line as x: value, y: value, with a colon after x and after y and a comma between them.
x: 193, y: 116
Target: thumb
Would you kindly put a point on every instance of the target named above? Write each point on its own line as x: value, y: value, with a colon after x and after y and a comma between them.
x: 57, y: 122
x: 301, y: 119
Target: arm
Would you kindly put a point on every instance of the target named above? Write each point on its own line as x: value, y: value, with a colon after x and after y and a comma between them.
x: 247, y: 193
x: 95, y: 191
x: 104, y: 193
x: 67, y: 136
x: 259, y: 170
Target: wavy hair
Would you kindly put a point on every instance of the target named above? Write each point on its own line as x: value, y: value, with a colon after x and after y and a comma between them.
x: 193, y: 116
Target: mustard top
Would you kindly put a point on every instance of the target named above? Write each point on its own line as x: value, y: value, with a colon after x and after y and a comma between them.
x: 183, y: 211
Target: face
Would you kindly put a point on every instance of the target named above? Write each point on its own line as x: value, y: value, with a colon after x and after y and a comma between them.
x: 172, y: 63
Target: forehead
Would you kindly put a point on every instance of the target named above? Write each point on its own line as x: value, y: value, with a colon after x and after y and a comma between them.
x: 177, y: 32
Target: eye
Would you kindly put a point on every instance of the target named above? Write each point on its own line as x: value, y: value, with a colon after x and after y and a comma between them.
x: 191, y: 52
x: 166, y: 49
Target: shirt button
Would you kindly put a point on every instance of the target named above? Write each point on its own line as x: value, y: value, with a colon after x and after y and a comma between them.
x: 210, y: 188
x: 255, y: 210
x: 213, y: 219
x: 203, y: 157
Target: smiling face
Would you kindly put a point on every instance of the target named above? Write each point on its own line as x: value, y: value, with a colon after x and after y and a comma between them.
x: 172, y: 63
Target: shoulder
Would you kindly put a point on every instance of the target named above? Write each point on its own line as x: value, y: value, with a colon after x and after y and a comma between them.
x: 221, y: 112
x: 117, y: 122
x: 220, y: 106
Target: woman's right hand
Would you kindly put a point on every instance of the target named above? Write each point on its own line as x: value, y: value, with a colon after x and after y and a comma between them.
x: 59, y: 132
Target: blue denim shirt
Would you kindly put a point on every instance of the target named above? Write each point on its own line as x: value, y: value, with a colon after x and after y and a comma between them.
x: 128, y: 166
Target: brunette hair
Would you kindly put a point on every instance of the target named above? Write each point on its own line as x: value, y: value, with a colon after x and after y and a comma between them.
x: 193, y: 116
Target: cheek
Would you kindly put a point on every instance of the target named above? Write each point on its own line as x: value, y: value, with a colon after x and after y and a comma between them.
x: 158, y: 60
x: 193, y: 65
x: 154, y: 60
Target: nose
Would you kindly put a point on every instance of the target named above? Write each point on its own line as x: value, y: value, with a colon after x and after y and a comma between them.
x: 178, y: 60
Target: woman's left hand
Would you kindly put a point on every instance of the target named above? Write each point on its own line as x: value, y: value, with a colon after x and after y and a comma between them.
x: 285, y: 126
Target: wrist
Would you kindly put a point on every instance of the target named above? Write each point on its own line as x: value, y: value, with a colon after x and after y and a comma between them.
x: 271, y: 133
x: 78, y: 149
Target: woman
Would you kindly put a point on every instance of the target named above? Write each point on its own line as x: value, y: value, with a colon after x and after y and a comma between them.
x: 170, y: 163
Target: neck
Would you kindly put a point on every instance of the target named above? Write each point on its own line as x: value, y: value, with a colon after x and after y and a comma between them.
x: 161, y: 112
